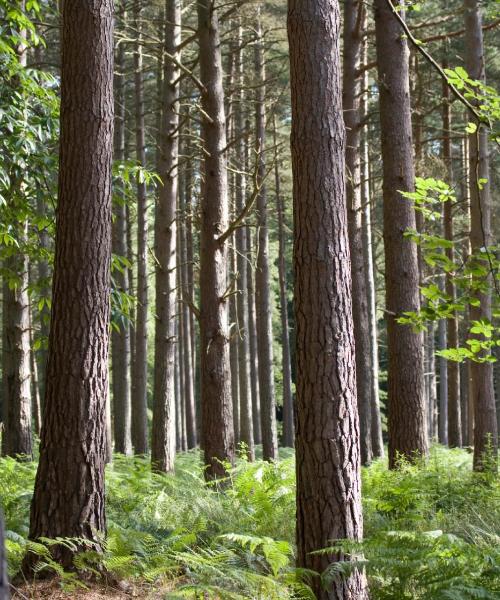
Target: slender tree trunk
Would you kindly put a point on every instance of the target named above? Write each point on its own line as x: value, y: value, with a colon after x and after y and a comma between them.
x: 485, y: 420
x: 36, y: 408
x: 262, y: 277
x: 252, y: 318
x: 431, y: 374
x: 406, y: 406
x: 120, y: 342
x: 288, y: 409
x: 163, y: 440
x: 217, y: 409
x: 454, y: 410
x: 353, y: 27
x: 140, y: 364
x: 68, y: 499
x: 327, y: 438
x: 442, y: 429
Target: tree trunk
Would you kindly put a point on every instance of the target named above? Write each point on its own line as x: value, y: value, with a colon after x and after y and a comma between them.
x: 163, y: 439
x: 353, y: 27
x: 262, y: 277
x: 216, y: 402
x: 36, y: 405
x: 327, y: 438
x: 68, y: 499
x: 406, y: 407
x: 140, y: 364
x: 288, y: 408
x: 485, y: 420
x: 120, y: 342
x: 453, y: 368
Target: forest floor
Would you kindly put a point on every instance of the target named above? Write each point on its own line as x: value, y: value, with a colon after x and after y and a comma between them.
x: 432, y: 531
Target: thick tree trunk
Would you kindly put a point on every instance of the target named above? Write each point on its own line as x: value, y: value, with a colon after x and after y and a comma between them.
x: 485, y: 420
x: 288, y: 409
x: 68, y: 499
x: 216, y: 402
x: 163, y: 438
x: 453, y: 368
x: 140, y: 363
x: 120, y: 342
x: 406, y: 407
x: 262, y: 277
x: 353, y: 22
x: 327, y: 438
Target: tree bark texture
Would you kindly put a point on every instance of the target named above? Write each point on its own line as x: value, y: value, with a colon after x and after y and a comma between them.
x: 216, y: 402
x: 406, y: 406
x: 485, y: 420
x: 68, y: 499
x: 140, y: 364
x: 163, y: 438
x: 327, y: 436
x: 263, y: 302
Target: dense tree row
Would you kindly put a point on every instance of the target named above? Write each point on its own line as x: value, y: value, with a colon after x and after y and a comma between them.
x: 170, y: 245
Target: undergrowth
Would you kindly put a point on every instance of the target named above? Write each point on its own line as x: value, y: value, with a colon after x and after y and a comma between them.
x: 432, y: 530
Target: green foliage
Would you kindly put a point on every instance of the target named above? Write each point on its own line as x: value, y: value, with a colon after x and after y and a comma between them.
x: 432, y: 530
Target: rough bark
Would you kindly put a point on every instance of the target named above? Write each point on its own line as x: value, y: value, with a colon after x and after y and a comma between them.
x: 263, y: 303
x: 68, y: 499
x: 244, y: 356
x: 483, y: 396
x: 216, y: 402
x: 327, y: 437
x: 120, y: 338
x: 288, y: 404
x: 140, y: 363
x: 406, y: 407
x: 163, y: 437
x: 353, y: 45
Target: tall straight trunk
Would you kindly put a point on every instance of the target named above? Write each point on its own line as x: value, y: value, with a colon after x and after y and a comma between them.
x: 353, y: 45
x: 288, y: 410
x: 36, y: 405
x: 377, y: 439
x: 244, y: 356
x: 185, y: 312
x: 442, y: 428
x: 120, y: 338
x: 234, y: 342
x: 262, y: 276
x: 17, y: 437
x: 163, y: 438
x: 431, y: 374
x: 453, y: 397
x: 327, y: 438
x: 140, y: 364
x: 16, y: 372
x: 44, y: 282
x: 485, y: 420
x: 406, y: 406
x: 216, y: 402
x: 252, y: 333
x: 68, y: 500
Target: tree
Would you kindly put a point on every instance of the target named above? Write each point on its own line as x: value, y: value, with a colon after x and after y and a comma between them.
x: 352, y: 91
x: 327, y: 436
x: 485, y: 422
x: 140, y: 363
x: 262, y: 290
x: 68, y: 500
x: 216, y: 402
x: 407, y: 426
x: 163, y: 439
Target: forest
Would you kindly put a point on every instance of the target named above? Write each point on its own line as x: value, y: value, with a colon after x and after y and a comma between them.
x: 250, y: 300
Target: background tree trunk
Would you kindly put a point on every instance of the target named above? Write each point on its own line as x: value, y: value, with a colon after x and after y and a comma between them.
x: 216, y: 402
x: 406, y: 407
